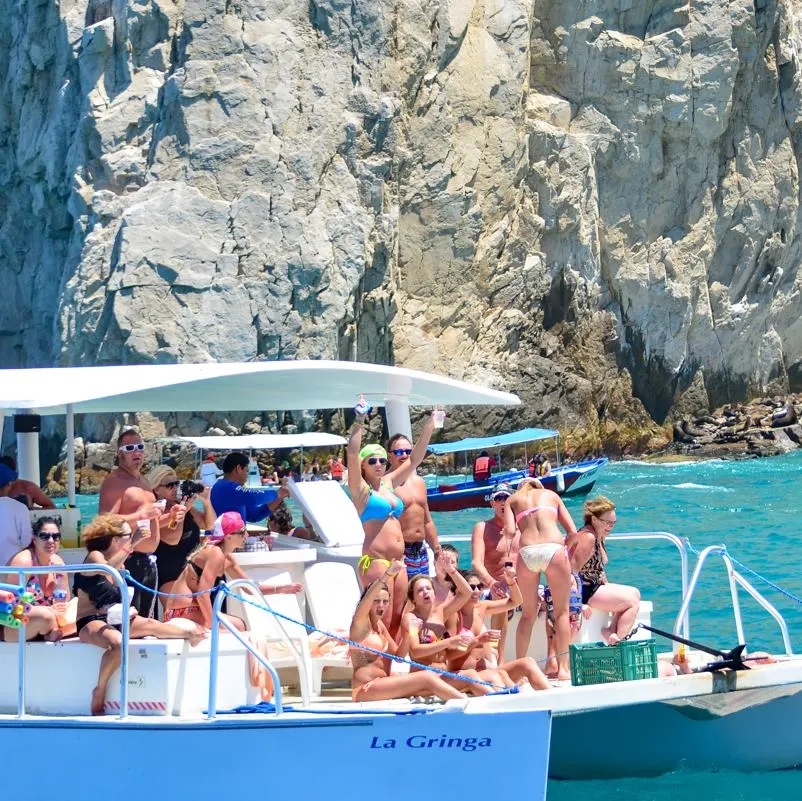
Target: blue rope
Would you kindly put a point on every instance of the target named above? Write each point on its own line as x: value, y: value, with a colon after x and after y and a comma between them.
x: 359, y: 646
x: 751, y: 572
x: 131, y: 580
x: 266, y: 708
x: 771, y: 584
x: 224, y: 588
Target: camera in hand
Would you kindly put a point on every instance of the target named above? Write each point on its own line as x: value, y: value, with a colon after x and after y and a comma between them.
x: 187, y: 488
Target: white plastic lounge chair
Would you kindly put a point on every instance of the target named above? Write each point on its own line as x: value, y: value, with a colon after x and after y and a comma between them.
x: 334, y: 519
x: 331, y: 511
x: 332, y: 592
x: 277, y: 630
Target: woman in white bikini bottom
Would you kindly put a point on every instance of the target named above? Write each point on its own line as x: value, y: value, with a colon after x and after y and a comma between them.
x: 538, y: 557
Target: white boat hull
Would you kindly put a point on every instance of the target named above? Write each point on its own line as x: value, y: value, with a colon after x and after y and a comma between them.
x: 760, y: 734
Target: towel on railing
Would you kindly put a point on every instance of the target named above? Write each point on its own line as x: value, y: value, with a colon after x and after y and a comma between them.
x: 320, y: 645
x: 259, y: 676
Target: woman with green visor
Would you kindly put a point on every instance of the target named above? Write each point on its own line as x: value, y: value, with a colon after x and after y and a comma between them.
x: 371, y: 489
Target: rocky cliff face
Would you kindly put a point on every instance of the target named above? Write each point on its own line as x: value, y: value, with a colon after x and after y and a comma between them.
x: 596, y: 207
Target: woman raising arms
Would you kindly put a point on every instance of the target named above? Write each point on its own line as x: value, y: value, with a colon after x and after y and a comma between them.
x: 429, y: 641
x: 372, y: 680
x: 371, y: 489
x: 536, y: 512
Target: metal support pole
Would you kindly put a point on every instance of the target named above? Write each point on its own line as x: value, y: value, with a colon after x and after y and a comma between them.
x: 26, y: 427
x: 398, y: 422
x: 70, y: 455
x: 21, y: 671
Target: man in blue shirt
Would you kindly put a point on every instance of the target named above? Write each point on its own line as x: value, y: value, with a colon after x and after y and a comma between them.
x: 230, y: 495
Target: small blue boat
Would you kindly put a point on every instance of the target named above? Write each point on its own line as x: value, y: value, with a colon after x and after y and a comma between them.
x: 567, y: 480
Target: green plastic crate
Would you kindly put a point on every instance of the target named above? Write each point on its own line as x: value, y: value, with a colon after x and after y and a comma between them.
x: 597, y: 663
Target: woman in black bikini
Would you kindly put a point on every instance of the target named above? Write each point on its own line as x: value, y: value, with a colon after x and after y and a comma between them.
x: 207, y: 567
x: 109, y: 540
x: 588, y: 556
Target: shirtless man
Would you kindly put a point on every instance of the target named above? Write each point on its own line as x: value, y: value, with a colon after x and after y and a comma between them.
x: 416, y: 521
x: 21, y: 489
x: 491, y: 549
x: 127, y: 493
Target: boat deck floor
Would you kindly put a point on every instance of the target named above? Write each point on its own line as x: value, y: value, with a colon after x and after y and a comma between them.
x: 720, y: 693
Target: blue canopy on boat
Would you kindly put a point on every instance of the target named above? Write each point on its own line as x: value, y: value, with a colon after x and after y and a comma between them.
x: 482, y: 443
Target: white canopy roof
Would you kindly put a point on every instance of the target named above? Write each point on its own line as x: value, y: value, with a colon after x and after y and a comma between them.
x: 311, y: 439
x: 246, y: 386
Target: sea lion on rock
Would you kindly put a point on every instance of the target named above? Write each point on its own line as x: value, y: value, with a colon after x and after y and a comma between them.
x: 689, y: 429
x: 681, y: 436
x: 784, y: 416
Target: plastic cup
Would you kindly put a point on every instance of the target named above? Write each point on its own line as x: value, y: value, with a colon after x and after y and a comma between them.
x: 495, y: 638
x: 439, y: 416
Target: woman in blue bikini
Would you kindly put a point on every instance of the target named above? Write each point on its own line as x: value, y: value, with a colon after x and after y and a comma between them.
x: 536, y: 512
x: 371, y: 488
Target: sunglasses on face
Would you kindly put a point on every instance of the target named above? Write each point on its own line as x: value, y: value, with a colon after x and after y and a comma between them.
x: 171, y: 484
x: 476, y: 586
x: 49, y: 535
x: 402, y: 452
x: 131, y: 447
x: 500, y: 498
x: 377, y: 460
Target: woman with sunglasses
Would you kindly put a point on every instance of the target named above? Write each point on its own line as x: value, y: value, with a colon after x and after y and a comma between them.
x: 110, y: 541
x: 371, y: 488
x: 588, y: 556
x: 429, y: 640
x: 372, y: 680
x: 470, y: 621
x: 42, y: 620
x: 180, y: 526
x: 207, y: 567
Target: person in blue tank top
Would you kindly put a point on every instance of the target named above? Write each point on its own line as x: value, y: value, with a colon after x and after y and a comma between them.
x: 230, y: 495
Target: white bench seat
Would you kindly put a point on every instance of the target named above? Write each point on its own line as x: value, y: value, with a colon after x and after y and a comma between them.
x: 164, y: 677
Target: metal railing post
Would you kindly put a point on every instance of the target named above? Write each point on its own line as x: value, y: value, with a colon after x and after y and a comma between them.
x: 21, y: 672
x: 736, y: 606
x: 211, y: 711
x: 681, y: 545
x: 769, y: 608
x: 217, y: 621
x: 686, y: 601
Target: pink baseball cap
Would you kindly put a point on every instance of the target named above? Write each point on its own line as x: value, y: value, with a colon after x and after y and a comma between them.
x: 228, y: 523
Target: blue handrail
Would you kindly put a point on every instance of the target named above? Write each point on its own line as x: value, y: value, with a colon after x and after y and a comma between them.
x: 217, y: 620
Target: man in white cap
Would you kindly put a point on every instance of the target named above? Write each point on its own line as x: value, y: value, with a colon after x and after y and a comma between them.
x: 15, y: 522
x: 492, y: 549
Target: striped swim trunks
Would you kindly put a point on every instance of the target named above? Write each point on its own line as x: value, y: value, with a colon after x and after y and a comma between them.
x: 416, y: 558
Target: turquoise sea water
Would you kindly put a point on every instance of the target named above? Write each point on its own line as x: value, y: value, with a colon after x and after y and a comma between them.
x: 755, y: 507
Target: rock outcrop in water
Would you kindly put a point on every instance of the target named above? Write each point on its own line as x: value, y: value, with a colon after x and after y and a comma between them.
x: 595, y: 206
